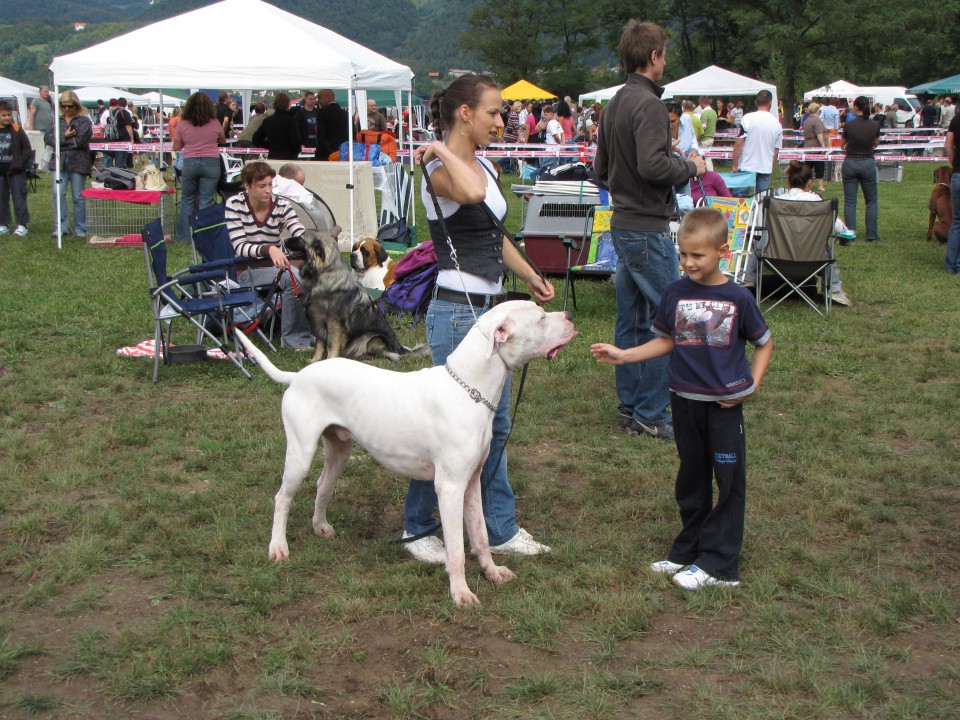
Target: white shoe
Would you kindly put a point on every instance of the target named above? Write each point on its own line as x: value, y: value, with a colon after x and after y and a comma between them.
x: 4, y: 229
x: 840, y: 298
x: 21, y: 231
x: 666, y: 567
x: 427, y: 549
x: 693, y: 578
x: 521, y: 544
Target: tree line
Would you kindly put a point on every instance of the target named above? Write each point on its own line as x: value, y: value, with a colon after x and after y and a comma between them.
x: 796, y: 44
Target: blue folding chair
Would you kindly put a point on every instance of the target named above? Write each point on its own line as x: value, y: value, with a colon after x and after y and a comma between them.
x: 211, y: 244
x: 176, y: 295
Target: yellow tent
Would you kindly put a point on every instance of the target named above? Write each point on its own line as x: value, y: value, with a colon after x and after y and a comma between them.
x: 523, y: 90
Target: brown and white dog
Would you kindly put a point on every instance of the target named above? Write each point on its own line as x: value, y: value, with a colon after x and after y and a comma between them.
x: 941, y: 205
x: 373, y: 266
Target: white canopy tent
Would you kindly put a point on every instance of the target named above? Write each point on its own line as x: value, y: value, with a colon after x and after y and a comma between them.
x: 712, y: 80
x: 154, y: 99
x: 716, y: 81
x: 836, y: 89
x: 311, y: 57
x: 599, y: 95
x: 20, y: 92
x: 92, y: 93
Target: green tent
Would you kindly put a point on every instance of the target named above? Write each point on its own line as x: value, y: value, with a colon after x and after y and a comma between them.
x: 938, y: 87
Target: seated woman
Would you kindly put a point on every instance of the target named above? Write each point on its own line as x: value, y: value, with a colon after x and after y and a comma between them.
x: 255, y: 219
x: 800, y: 180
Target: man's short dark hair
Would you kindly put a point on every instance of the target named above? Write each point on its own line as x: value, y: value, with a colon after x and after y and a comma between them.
x: 638, y: 43
x: 6, y: 106
x: 764, y: 98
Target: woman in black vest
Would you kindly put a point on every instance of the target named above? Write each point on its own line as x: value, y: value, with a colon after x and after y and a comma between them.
x: 859, y: 170
x: 465, y: 116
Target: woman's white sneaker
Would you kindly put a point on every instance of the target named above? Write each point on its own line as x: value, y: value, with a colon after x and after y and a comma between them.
x: 521, y: 544
x: 427, y: 549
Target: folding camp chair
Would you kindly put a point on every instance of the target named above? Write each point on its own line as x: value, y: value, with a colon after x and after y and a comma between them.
x: 173, y: 296
x: 601, y: 255
x: 211, y: 243
x: 316, y: 215
x: 395, y: 202
x: 798, y: 248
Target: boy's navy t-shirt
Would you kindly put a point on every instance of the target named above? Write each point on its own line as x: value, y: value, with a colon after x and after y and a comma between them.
x: 710, y: 326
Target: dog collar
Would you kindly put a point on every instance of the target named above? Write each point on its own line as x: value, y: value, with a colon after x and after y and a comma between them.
x: 472, y: 392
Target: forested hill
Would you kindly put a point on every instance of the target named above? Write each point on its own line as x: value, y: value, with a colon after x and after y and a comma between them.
x: 420, y: 33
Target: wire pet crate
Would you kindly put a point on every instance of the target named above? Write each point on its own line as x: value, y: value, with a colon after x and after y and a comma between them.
x: 115, y: 219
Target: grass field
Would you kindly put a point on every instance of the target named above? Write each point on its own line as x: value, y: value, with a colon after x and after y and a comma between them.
x: 135, y: 518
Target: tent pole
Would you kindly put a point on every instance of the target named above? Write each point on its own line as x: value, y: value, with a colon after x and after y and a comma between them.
x: 350, y: 105
x: 56, y: 173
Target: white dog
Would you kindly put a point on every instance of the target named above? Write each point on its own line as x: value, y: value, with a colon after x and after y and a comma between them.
x: 445, y: 412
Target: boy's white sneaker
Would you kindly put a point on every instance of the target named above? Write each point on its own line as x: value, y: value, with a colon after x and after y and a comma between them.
x: 21, y: 231
x: 666, y: 567
x: 693, y: 578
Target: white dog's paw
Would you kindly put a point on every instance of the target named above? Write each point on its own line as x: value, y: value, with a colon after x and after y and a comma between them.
x: 324, y: 529
x: 464, y: 597
x: 499, y: 574
x: 279, y: 551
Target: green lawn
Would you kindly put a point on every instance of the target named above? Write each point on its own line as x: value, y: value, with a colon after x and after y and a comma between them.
x: 134, y: 579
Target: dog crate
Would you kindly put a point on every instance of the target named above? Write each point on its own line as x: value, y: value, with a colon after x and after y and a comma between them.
x: 549, y: 220
x: 111, y: 219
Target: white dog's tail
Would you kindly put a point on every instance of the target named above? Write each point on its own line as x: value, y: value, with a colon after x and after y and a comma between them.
x: 273, y: 372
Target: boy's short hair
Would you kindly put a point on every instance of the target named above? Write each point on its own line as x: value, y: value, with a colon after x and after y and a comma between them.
x: 256, y: 171
x: 6, y: 106
x: 638, y: 42
x: 705, y: 222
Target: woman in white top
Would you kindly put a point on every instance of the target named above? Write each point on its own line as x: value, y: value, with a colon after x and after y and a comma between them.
x: 466, y: 116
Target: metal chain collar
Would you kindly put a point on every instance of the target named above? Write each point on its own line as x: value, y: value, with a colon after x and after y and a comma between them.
x: 472, y: 392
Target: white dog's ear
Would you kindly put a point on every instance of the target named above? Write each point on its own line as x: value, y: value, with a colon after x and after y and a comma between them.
x: 504, y: 331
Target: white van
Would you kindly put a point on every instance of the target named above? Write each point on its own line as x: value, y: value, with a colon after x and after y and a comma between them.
x: 908, y: 107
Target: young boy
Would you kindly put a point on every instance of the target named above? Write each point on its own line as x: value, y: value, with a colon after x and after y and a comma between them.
x: 14, y: 155
x: 703, y: 323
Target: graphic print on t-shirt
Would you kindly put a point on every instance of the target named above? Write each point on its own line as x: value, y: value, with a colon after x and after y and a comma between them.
x: 704, y: 322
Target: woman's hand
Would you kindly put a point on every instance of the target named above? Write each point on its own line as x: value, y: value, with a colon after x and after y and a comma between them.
x: 278, y: 258
x: 426, y: 153
x: 541, y: 289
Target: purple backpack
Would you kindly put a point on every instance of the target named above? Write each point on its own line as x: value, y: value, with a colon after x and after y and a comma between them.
x: 415, y: 278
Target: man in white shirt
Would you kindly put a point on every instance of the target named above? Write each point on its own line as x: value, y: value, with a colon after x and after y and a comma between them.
x: 947, y: 112
x: 758, y: 147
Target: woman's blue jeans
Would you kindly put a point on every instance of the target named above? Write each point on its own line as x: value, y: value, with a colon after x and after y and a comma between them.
x: 861, y: 173
x: 646, y: 263
x: 447, y: 324
x: 78, y: 184
x: 198, y: 186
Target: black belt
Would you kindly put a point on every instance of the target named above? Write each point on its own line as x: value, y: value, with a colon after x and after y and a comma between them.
x: 475, y: 299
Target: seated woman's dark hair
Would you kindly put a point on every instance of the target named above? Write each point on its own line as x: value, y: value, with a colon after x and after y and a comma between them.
x: 255, y: 172
x: 799, y: 175
x: 199, y: 109
x: 465, y: 90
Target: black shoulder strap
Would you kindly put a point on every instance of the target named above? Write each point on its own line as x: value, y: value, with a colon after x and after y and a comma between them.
x: 502, y: 229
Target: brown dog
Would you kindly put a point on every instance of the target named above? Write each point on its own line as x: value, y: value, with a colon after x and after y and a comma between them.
x: 373, y: 266
x: 941, y: 205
